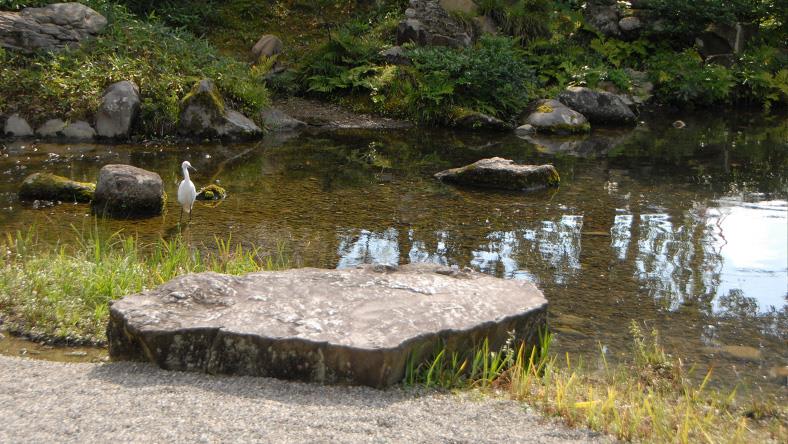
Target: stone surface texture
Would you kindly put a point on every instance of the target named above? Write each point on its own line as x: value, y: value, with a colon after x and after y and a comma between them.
x: 355, y: 326
x: 125, y: 191
x: 598, y: 106
x: 51, y: 128
x: 120, y: 105
x: 275, y: 119
x: 395, y: 55
x: 46, y: 186
x: 267, y: 46
x: 427, y: 23
x: 501, y: 173
x: 51, y: 28
x: 79, y: 131
x: 204, y: 115
x: 604, y: 15
x: 479, y: 121
x: 552, y: 116
x: 17, y: 126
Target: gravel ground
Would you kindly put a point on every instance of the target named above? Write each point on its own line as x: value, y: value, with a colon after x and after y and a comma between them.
x: 43, y: 401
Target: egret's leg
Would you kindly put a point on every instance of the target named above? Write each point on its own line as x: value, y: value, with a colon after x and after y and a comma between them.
x: 191, y: 210
x: 180, y: 218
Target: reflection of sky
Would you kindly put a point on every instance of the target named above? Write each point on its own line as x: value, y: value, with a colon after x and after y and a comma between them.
x: 753, y: 242
x: 419, y: 254
x: 368, y: 248
x: 620, y: 235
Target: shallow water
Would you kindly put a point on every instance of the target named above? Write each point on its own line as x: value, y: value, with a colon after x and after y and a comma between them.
x: 684, y: 230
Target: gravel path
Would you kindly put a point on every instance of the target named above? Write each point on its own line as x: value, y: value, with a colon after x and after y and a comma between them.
x: 43, y: 401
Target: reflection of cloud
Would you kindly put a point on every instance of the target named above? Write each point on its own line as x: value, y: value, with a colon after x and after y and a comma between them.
x: 368, y: 248
x: 419, y: 254
x: 658, y: 258
x: 620, y: 235
x: 502, y: 245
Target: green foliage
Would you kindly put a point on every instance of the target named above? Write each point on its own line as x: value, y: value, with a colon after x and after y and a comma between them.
x: 491, y: 77
x: 15, y: 5
x: 683, y: 79
x: 762, y: 73
x: 525, y: 20
x: 164, y: 62
x: 64, y: 291
x: 620, y: 53
x: 685, y: 18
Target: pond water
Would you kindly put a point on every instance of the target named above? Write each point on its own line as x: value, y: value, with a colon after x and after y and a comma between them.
x: 683, y: 230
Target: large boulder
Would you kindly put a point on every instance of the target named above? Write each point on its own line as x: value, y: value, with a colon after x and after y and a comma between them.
x: 552, y: 116
x: 51, y: 28
x: 17, y: 126
x: 502, y: 174
x: 267, y: 46
x: 598, y: 106
x: 276, y: 120
x: 357, y: 326
x: 119, y: 106
x: 125, y: 191
x: 427, y: 23
x: 204, y: 115
x: 46, y: 186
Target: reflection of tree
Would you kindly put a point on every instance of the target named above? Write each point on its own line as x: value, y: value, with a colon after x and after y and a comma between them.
x: 736, y: 304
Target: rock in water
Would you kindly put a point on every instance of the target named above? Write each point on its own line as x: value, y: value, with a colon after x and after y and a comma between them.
x: 51, y: 28
x: 17, y: 126
x: 204, y: 115
x: 474, y: 120
x: 125, y: 191
x: 120, y: 105
x: 552, y: 116
x: 79, y: 131
x: 46, y: 186
x: 503, y: 174
x: 598, y: 106
x: 276, y: 120
x: 357, y: 326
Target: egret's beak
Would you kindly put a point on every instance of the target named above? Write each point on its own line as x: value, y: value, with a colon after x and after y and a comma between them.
x: 193, y: 168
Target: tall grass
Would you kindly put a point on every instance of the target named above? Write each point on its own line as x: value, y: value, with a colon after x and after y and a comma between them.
x: 63, y: 291
x: 650, y: 398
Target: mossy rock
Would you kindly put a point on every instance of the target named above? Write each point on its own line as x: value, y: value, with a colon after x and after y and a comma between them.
x: 211, y: 192
x: 46, y: 186
x: 503, y: 174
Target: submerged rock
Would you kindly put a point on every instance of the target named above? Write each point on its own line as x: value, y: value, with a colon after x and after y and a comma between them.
x: 503, y: 174
x: 211, y: 192
x: 276, y: 120
x: 552, y: 116
x: 204, y: 115
x: 741, y: 352
x: 125, y: 191
x: 17, y: 126
x: 51, y: 28
x: 120, y: 105
x: 598, y: 106
x: 357, y: 326
x: 46, y: 186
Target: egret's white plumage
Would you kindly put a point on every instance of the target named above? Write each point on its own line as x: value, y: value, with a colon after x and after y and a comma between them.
x: 187, y: 193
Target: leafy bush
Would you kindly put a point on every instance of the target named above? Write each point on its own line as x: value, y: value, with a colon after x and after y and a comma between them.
x: 163, y: 62
x: 681, y: 17
x: 491, y: 77
x: 682, y: 79
x: 526, y: 20
x: 762, y: 74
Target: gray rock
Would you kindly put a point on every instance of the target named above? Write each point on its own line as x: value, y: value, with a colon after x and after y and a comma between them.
x: 526, y: 129
x: 356, y: 326
x: 395, y: 56
x: 46, y: 186
x: 51, y: 28
x: 598, y: 106
x: 52, y: 128
x: 502, y: 174
x: 630, y: 24
x: 604, y: 15
x: 267, y: 46
x: 552, y: 116
x: 79, y: 131
x: 17, y: 126
x: 710, y: 44
x: 125, y: 191
x: 204, y: 115
x: 427, y: 23
x: 276, y: 120
x: 480, y: 121
x: 736, y: 36
x: 120, y: 105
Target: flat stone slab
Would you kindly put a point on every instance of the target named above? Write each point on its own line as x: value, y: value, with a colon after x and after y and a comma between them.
x: 357, y: 326
x: 503, y: 174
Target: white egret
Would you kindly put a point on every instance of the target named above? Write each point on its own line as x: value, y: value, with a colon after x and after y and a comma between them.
x: 187, y: 193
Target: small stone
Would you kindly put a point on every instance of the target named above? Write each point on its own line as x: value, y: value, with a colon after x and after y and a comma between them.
x: 268, y: 45
x: 552, y: 116
x: 679, y: 124
x: 16, y: 126
x: 51, y: 128
x: 79, y: 130
x: 474, y: 120
x: 502, y: 174
x: 276, y: 120
x: 741, y: 352
x: 524, y: 130
x: 630, y: 24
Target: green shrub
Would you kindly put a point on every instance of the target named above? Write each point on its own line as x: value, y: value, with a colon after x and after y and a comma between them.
x: 526, y: 20
x: 682, y: 79
x: 685, y: 18
x: 491, y: 77
x: 163, y: 62
x: 762, y: 74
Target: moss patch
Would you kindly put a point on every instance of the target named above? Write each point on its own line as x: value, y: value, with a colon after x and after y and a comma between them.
x: 46, y: 186
x: 212, y: 192
x: 545, y: 108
